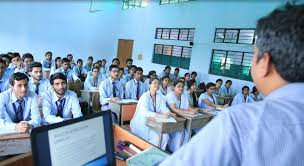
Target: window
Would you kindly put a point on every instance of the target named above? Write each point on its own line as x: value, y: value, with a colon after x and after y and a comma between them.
x: 172, y: 55
x: 236, y: 36
x: 173, y: 1
x: 129, y: 4
x: 234, y: 64
x: 183, y: 34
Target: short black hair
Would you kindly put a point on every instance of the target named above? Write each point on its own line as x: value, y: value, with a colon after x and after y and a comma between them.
x: 15, y: 54
x: 254, y: 89
x: 210, y: 84
x: 113, y: 67
x: 164, y: 77
x: 28, y: 56
x: 115, y: 59
x: 90, y: 58
x: 57, y: 76
x: 129, y: 60
x: 176, y: 69
x: 219, y: 80
x: 35, y: 64
x: 121, y: 69
x: 178, y: 81
x: 245, y: 87
x: 69, y: 55
x: 17, y: 77
x: 281, y: 35
x: 134, y: 67
x: 104, y: 60
x: 3, y: 61
x: 152, y: 72
x: 139, y: 69
x: 194, y: 73
x: 190, y: 83
x: 65, y: 60
x: 186, y: 74
x: 6, y: 56
x: 79, y: 60
x: 49, y: 52
x: 57, y: 58
x: 167, y: 67
x: 228, y: 81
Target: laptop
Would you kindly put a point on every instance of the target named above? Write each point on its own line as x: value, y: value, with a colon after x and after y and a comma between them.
x: 81, y: 141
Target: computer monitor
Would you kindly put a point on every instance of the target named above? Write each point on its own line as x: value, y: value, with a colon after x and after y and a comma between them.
x: 81, y: 141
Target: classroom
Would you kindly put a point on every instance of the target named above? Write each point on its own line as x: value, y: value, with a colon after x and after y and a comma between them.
x: 151, y: 82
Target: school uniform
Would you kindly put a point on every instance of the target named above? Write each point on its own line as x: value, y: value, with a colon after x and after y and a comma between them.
x: 70, y: 74
x: 88, y: 67
x: 53, y: 69
x: 123, y: 82
x: 147, y: 108
x: 165, y: 91
x: 46, y: 64
x: 202, y: 104
x: 175, y: 137
x: 90, y: 84
x: 80, y: 71
x: 174, y: 77
x: 268, y: 133
x: 147, y: 84
x: 126, y: 70
x: 13, y: 111
x: 42, y: 86
x: 240, y: 98
x: 103, y: 71
x: 4, y: 81
x: 134, y: 89
x: 227, y: 91
x: 128, y: 77
x: 193, y: 99
x: 57, y: 110
x: 218, y: 92
x: 259, y: 97
x: 162, y: 74
x: 109, y: 89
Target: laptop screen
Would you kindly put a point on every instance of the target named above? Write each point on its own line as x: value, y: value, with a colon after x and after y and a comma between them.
x: 82, y: 141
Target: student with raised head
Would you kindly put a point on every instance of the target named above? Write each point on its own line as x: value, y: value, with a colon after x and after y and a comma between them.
x: 89, y: 65
x: 186, y: 79
x: 18, y: 106
x: 135, y: 88
x: 166, y: 72
x: 129, y: 63
x: 59, y: 103
x: 227, y: 91
x: 242, y: 97
x: 218, y: 87
x: 4, y: 76
x: 164, y: 87
x: 208, y: 99
x: 80, y: 71
x: 269, y: 132
x: 27, y: 60
x: 150, y: 104
x: 151, y: 75
x: 103, y: 68
x: 47, y: 63
x: 6, y: 58
x: 256, y: 95
x: 178, y: 103
x: 193, y: 75
x: 175, y: 75
x: 116, y: 62
x: 66, y: 71
x: 192, y: 97
x: 110, y: 89
x: 93, y: 81
x: 121, y: 77
x: 56, y: 66
x: 16, y: 62
x: 70, y: 58
x: 130, y: 76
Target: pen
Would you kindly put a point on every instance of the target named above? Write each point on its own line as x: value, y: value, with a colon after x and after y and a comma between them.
x: 124, y: 150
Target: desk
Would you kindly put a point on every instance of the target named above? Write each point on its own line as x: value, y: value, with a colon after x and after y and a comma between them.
x: 195, y: 122
x: 224, y: 100
x: 122, y: 108
x: 119, y: 134
x: 88, y: 96
x: 14, y: 143
x: 166, y: 127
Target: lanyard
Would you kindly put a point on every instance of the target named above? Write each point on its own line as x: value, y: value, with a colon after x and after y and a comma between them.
x: 154, y: 102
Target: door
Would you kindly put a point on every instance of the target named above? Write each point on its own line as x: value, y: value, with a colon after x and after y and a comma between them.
x: 124, y: 51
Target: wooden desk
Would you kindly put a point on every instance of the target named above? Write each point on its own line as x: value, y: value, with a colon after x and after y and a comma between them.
x: 118, y: 108
x: 14, y: 143
x: 195, y: 122
x: 166, y: 128
x: 119, y: 134
x: 87, y: 96
x: 224, y: 100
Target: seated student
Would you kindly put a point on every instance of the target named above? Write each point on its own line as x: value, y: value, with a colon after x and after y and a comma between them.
x: 68, y: 73
x: 256, y: 95
x: 175, y: 75
x: 59, y: 103
x: 208, y: 100
x: 129, y: 63
x: 27, y: 60
x: 4, y: 76
x: 80, y: 70
x: 72, y: 63
x: 103, y: 69
x: 135, y: 88
x: 18, y: 106
x: 192, y: 97
x: 242, y: 97
x: 165, y: 88
x: 47, y: 63
x: 93, y: 81
x: 218, y: 87
x: 193, y: 75
x: 178, y: 103
x: 186, y: 79
x: 89, y: 65
x: 16, y: 62
x: 121, y: 77
x: 227, y: 91
x: 150, y: 104
x: 130, y: 76
x: 6, y: 58
x: 151, y: 75
x: 116, y: 62
x: 166, y: 72
x: 110, y: 89
x: 56, y: 66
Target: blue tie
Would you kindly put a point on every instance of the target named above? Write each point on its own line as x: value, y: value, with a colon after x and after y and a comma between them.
x: 60, y: 105
x: 19, y: 111
x: 137, y: 91
x: 114, y: 89
x: 37, y: 89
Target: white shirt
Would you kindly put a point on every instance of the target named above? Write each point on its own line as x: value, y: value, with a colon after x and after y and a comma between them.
x: 183, y: 103
x: 44, y: 85
x: 106, y: 91
x: 239, y: 99
x: 131, y: 89
x: 4, y: 81
x: 89, y: 83
x: 202, y: 104
x: 70, y: 74
x: 79, y: 71
x: 165, y: 91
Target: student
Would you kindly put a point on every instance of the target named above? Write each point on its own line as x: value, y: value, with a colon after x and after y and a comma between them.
x: 4, y: 76
x: 121, y: 78
x: 129, y: 63
x: 192, y: 97
x: 56, y: 66
x: 178, y: 103
x: 151, y: 76
x: 27, y: 59
x: 166, y: 72
x: 242, y: 97
x: 103, y: 69
x: 68, y: 73
x: 93, y: 81
x: 270, y: 132
x: 16, y: 62
x: 115, y: 62
x: 58, y: 102
x: 89, y: 65
x: 218, y: 87
x: 47, y: 63
x: 208, y: 99
x: 193, y: 75
x: 135, y: 88
x: 18, y: 106
x: 150, y: 104
x: 165, y: 88
x: 256, y: 95
x: 110, y: 89
x: 175, y: 75
x: 227, y: 91
x: 37, y: 83
x: 6, y: 58
x: 72, y: 63
x: 186, y: 79
x: 80, y: 70
x: 130, y: 76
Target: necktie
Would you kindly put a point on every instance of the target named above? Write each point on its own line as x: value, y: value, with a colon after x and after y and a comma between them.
x: 19, y: 111
x: 60, y: 105
x: 138, y: 90
x: 49, y: 64
x: 37, y: 89
x: 212, y: 99
x: 227, y: 91
x: 0, y: 86
x: 80, y: 71
x: 114, y: 89
x: 245, y: 99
